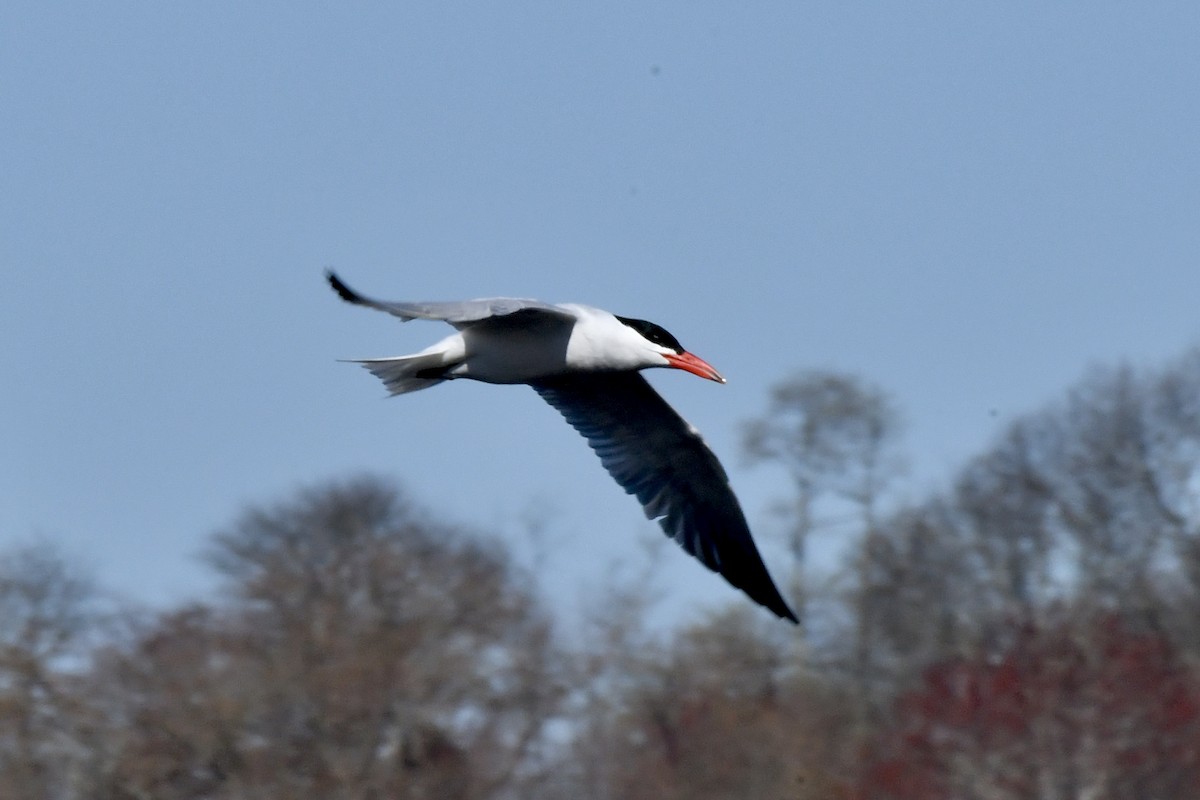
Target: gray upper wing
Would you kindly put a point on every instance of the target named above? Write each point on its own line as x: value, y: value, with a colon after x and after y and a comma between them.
x: 657, y: 456
x: 459, y: 314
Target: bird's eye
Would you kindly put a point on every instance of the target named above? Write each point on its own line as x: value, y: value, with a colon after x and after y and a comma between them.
x: 656, y: 334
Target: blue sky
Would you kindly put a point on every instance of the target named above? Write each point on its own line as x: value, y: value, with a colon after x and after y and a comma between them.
x: 966, y: 204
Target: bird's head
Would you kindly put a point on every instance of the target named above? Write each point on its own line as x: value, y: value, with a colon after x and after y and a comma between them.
x: 660, y: 344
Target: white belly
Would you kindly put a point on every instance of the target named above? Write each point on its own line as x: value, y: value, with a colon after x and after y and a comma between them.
x: 512, y: 356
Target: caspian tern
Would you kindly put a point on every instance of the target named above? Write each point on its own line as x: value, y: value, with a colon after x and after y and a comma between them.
x: 585, y: 363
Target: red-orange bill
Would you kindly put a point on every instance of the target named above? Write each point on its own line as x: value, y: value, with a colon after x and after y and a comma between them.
x: 694, y: 365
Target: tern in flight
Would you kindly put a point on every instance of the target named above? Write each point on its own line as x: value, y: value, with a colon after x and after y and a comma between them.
x: 585, y: 362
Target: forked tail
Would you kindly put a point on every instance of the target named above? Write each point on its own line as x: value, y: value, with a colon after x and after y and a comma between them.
x: 404, y: 374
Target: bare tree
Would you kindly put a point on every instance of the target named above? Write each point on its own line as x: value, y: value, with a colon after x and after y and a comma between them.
x: 1091, y: 499
x: 834, y: 435
x: 363, y: 651
x: 48, y: 617
x: 717, y: 710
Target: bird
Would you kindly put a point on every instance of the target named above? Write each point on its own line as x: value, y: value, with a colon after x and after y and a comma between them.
x: 586, y: 363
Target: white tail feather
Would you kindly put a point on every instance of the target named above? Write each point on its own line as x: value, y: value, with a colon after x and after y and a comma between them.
x: 403, y: 374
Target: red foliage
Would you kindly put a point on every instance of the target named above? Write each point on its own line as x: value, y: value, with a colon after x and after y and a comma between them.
x: 1098, y: 710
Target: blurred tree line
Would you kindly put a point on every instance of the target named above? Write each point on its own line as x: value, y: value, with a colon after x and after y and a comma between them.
x: 1030, y: 632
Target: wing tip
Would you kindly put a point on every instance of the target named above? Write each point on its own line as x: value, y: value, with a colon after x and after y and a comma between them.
x: 785, y: 612
x: 343, y: 291
x: 767, y: 595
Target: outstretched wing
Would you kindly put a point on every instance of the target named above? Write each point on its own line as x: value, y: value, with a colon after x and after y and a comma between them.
x: 459, y: 314
x: 654, y: 454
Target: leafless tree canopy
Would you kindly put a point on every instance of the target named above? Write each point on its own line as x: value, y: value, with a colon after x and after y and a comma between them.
x: 361, y: 651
